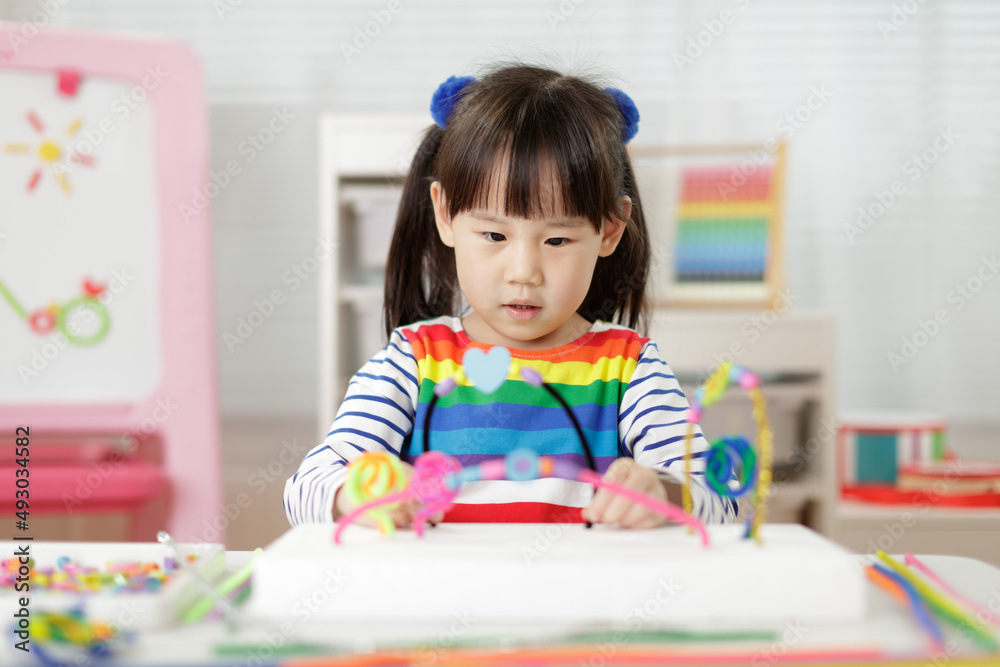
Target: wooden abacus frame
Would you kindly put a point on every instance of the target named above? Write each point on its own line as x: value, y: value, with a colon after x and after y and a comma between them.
x: 774, y: 274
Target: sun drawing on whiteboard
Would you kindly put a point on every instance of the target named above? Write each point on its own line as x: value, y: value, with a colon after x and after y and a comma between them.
x: 49, y: 153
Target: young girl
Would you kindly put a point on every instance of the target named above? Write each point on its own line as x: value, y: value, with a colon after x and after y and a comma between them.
x: 522, y: 200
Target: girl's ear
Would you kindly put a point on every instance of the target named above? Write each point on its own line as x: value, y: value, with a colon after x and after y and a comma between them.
x: 614, y: 228
x: 441, y: 217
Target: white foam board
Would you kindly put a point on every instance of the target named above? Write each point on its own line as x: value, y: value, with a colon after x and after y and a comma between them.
x: 554, y: 572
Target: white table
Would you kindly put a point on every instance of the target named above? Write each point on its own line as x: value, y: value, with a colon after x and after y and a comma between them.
x: 888, y: 625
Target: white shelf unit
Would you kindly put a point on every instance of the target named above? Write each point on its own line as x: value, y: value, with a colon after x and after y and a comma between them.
x: 355, y: 152
x: 949, y: 531
x: 795, y: 354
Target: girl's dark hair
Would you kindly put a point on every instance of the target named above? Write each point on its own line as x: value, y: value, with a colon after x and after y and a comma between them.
x: 524, y: 123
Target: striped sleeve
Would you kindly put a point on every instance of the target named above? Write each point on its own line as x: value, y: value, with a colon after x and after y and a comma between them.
x: 376, y: 415
x: 652, y: 429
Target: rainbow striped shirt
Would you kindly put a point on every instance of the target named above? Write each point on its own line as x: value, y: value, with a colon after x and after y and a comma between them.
x: 625, y: 397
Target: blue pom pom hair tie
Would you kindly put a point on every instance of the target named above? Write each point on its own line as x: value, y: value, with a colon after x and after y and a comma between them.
x: 447, y: 96
x: 629, y: 112
x: 449, y: 93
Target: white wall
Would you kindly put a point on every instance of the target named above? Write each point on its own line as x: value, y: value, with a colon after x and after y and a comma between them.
x: 889, y: 85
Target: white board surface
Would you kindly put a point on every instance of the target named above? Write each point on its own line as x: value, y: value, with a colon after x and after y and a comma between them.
x: 104, y: 228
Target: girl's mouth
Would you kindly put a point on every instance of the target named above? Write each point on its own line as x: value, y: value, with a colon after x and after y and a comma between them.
x: 521, y: 313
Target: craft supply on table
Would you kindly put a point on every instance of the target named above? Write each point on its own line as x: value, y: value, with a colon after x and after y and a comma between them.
x: 903, y: 591
x: 733, y: 453
x: 115, y: 577
x: 979, y: 611
x: 60, y: 638
x: 221, y: 601
x: 98, y: 577
x: 944, y: 607
x: 239, y: 580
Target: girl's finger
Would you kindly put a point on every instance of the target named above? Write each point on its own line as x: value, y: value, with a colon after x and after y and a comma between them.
x: 403, y: 515
x: 651, y: 520
x: 640, y: 516
x: 594, y: 512
x: 617, y: 509
x: 626, y: 512
x: 617, y: 472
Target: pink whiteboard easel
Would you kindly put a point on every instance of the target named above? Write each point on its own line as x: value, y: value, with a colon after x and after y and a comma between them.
x: 103, y: 147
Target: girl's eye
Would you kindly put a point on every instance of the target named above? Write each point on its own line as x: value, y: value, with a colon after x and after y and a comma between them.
x: 558, y: 242
x: 496, y: 237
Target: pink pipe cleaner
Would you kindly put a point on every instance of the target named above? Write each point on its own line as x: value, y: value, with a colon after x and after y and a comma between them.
x: 432, y: 473
x: 668, y: 510
x: 917, y: 563
x: 437, y: 477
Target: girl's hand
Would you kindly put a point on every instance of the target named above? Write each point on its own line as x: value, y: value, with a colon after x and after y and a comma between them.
x: 401, y: 516
x: 611, y: 508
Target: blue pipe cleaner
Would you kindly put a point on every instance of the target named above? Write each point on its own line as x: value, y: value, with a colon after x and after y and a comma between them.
x: 629, y: 112
x: 447, y: 96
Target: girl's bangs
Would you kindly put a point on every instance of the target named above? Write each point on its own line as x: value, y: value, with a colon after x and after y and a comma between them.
x: 539, y: 169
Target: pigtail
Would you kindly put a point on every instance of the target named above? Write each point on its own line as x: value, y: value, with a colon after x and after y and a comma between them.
x: 618, y: 289
x: 420, y: 281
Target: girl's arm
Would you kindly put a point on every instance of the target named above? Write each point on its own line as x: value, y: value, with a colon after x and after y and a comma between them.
x: 652, y: 429
x: 376, y: 415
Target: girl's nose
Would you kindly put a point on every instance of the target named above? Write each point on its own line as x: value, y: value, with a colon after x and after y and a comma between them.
x: 523, y: 265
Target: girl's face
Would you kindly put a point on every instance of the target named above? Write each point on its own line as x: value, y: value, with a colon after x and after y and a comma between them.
x: 524, y: 278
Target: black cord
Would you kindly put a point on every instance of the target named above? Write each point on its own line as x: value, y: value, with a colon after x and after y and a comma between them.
x: 591, y: 463
x: 579, y: 431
